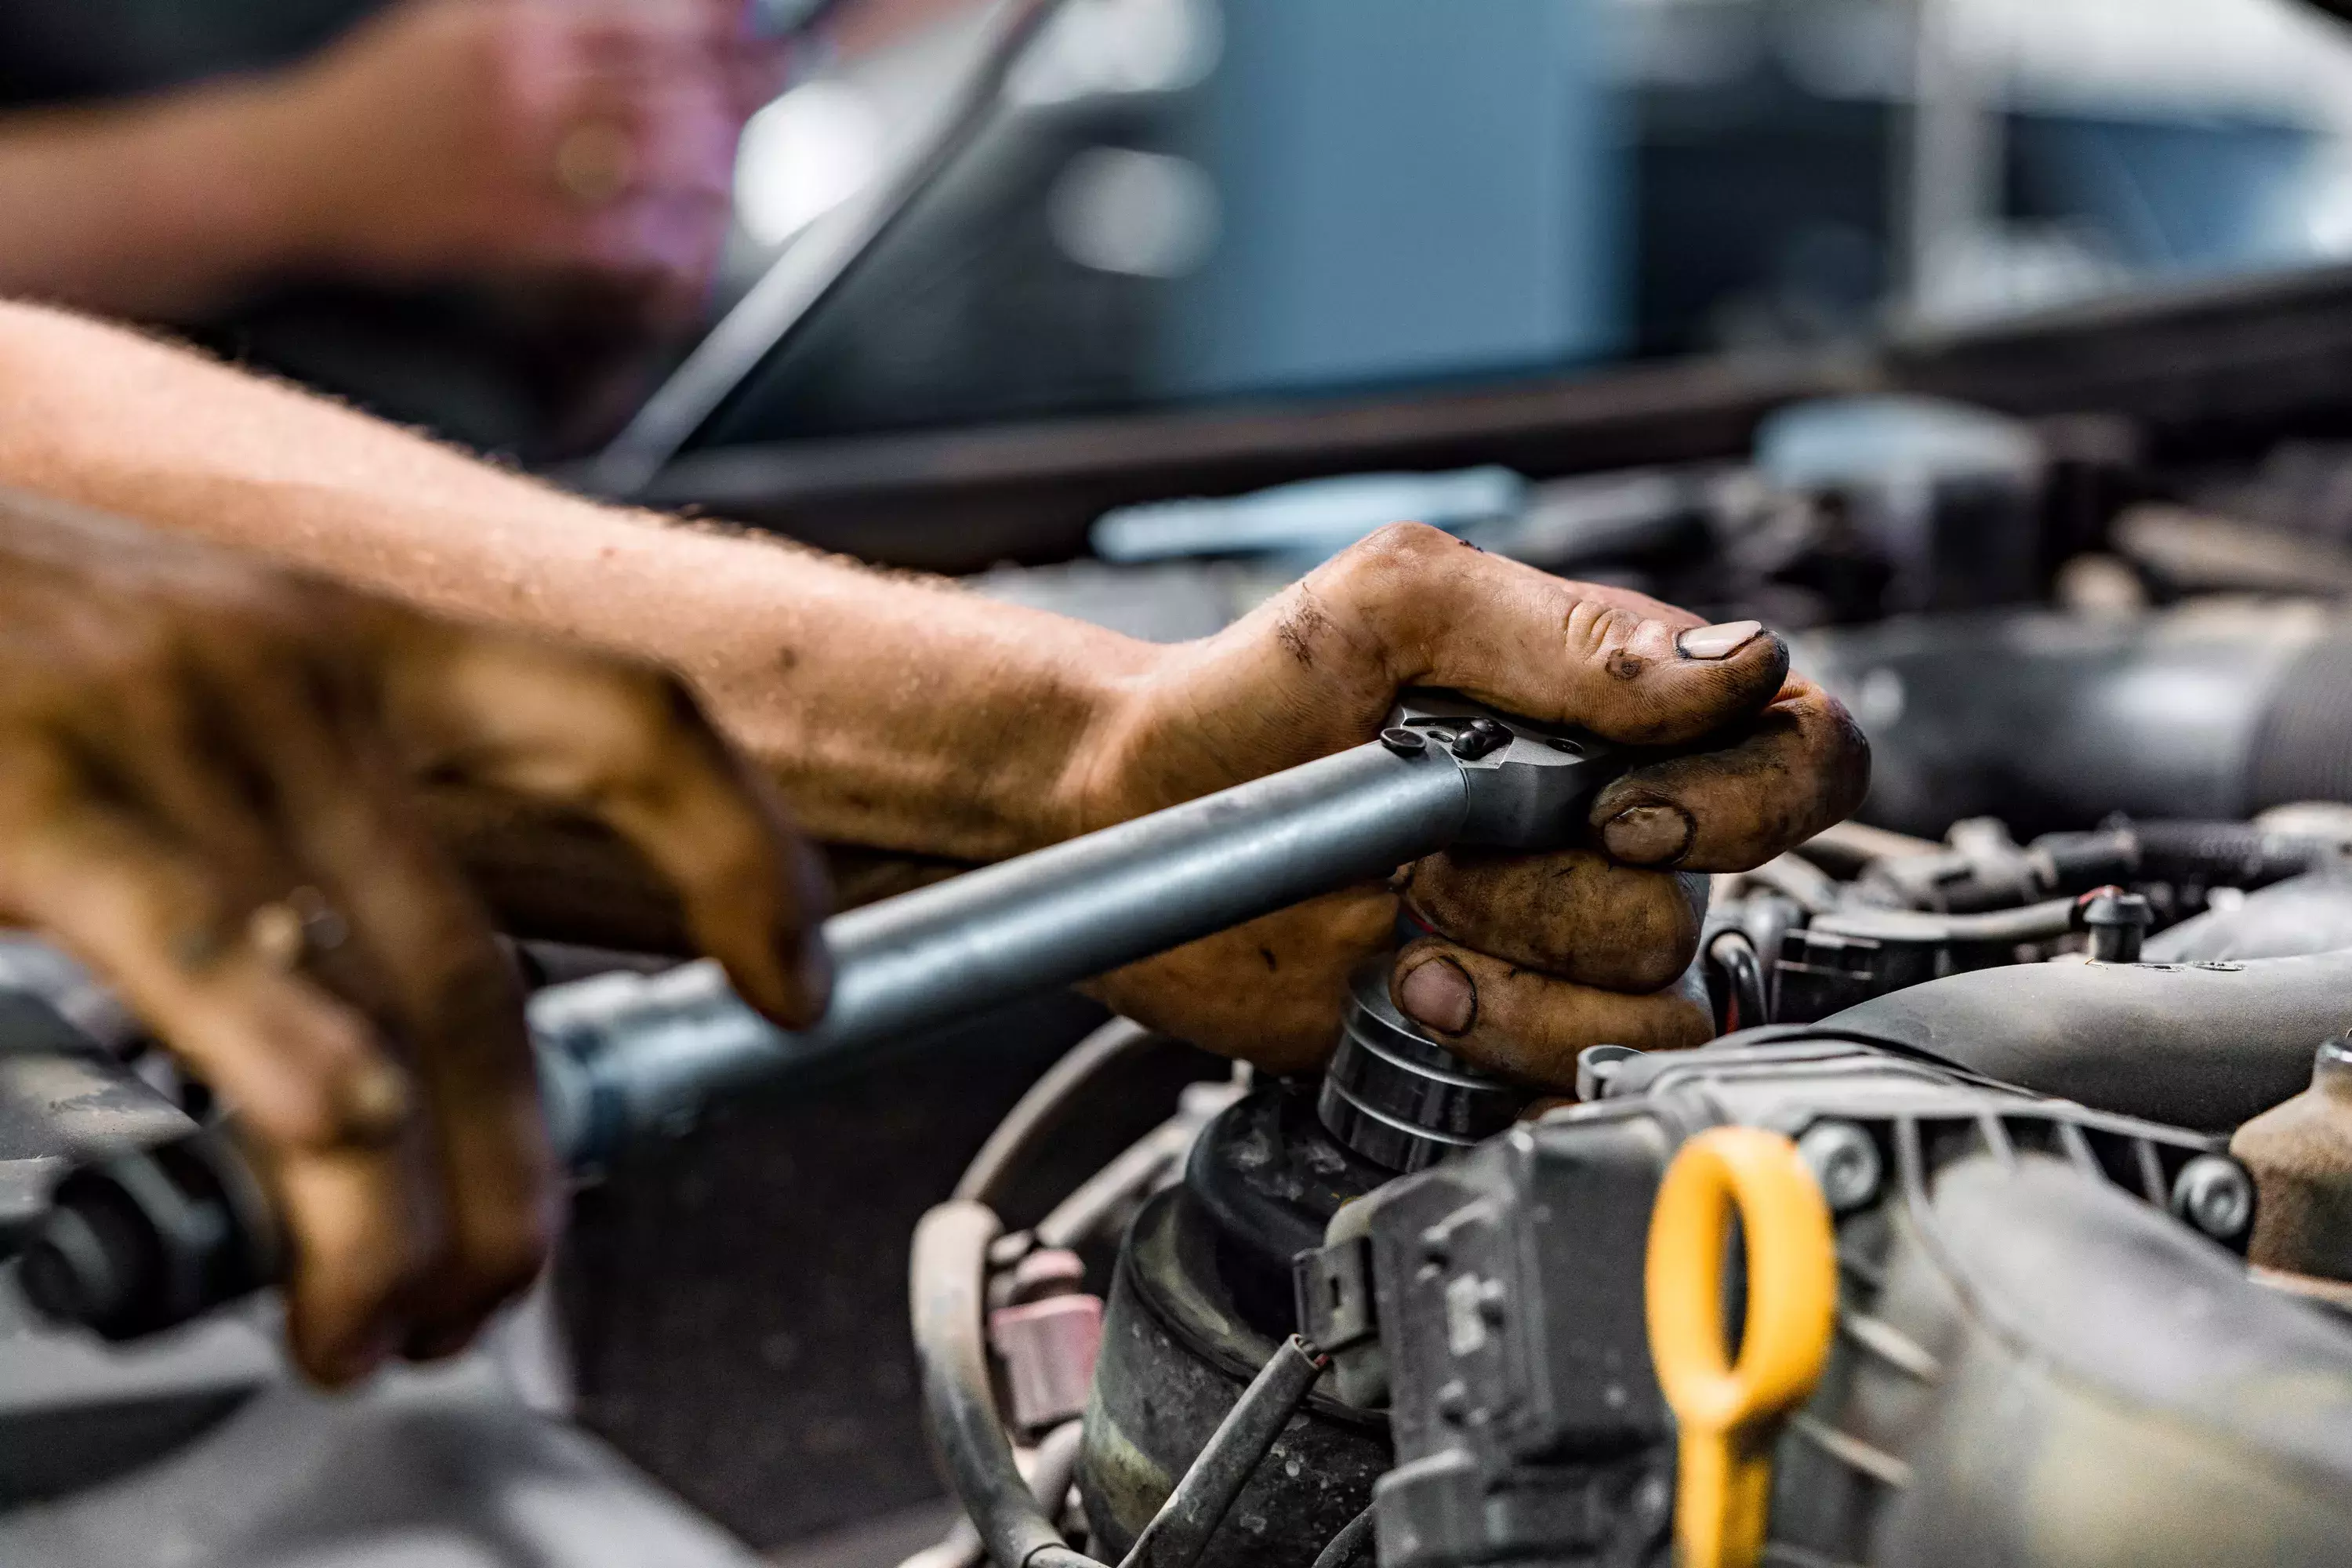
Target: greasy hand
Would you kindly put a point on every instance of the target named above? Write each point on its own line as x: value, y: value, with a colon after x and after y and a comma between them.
x: 1534, y: 957
x: 208, y: 796
x: 579, y: 137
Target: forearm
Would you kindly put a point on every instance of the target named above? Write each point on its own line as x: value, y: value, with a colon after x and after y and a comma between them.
x: 149, y: 208
x: 898, y: 714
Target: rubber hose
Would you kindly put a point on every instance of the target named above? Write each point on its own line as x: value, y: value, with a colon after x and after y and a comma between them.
x: 947, y: 1281
x: 2052, y: 722
x: 2238, y: 853
x: 2028, y: 923
x: 2303, y: 748
x: 1039, y: 1113
x: 1180, y: 1531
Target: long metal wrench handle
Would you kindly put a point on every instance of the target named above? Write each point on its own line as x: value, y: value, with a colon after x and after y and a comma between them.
x: 150, y: 1238
x: 624, y: 1055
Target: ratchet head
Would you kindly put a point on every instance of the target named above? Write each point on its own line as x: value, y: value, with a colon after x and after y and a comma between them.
x: 1530, y: 783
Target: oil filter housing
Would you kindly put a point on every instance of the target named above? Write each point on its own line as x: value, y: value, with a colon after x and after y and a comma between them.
x: 1198, y: 1300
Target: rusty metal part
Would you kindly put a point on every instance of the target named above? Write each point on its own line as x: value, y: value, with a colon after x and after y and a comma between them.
x: 2301, y: 1156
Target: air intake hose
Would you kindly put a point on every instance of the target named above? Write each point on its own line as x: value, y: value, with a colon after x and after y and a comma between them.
x: 2054, y: 722
x: 2204, y: 1045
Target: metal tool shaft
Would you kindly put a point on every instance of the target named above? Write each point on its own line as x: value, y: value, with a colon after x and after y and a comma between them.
x: 1008, y: 931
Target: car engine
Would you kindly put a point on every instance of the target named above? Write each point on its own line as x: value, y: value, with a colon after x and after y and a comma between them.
x: 2076, y: 1108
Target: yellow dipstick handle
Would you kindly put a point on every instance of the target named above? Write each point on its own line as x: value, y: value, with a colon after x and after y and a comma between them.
x: 1728, y: 1415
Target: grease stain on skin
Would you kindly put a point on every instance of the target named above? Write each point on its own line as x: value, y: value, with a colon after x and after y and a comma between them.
x: 1301, y: 627
x: 1626, y: 665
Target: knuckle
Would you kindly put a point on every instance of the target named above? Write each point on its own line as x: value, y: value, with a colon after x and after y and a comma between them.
x: 1390, y: 586
x: 654, y: 716
x: 1399, y: 550
x: 1601, y: 634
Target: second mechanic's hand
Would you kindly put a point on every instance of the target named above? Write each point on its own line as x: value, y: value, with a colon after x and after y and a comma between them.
x: 1532, y: 957
x: 208, y: 797
x: 589, y: 137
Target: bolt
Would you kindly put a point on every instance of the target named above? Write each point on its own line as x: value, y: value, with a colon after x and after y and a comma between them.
x: 1846, y: 1161
x: 2214, y: 1194
x: 1483, y: 736
x: 2117, y: 923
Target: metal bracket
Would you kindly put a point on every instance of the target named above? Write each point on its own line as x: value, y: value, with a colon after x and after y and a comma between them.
x: 1530, y: 783
x: 1334, y: 1289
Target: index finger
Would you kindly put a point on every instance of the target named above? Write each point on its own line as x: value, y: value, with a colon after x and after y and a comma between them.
x: 627, y: 744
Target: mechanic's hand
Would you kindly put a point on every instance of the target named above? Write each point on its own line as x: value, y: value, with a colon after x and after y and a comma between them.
x: 1535, y: 957
x: 207, y: 795
x: 577, y: 137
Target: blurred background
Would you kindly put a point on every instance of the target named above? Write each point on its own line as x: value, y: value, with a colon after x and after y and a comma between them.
x: 1185, y: 201
x: 1947, y: 333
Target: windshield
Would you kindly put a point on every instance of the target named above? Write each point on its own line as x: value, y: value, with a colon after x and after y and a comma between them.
x: 1184, y: 202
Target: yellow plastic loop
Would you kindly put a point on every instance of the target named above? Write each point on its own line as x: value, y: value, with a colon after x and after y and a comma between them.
x: 1728, y: 1415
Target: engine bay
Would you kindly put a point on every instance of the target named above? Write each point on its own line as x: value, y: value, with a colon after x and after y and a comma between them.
x: 2056, y: 1097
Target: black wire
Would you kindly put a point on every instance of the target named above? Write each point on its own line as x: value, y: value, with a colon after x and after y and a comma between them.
x: 949, y: 1284
x: 1181, y: 1530
x: 1743, y: 973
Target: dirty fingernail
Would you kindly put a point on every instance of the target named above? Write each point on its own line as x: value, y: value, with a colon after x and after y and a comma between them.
x: 1718, y: 641
x: 1649, y: 835
x: 1439, y: 993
